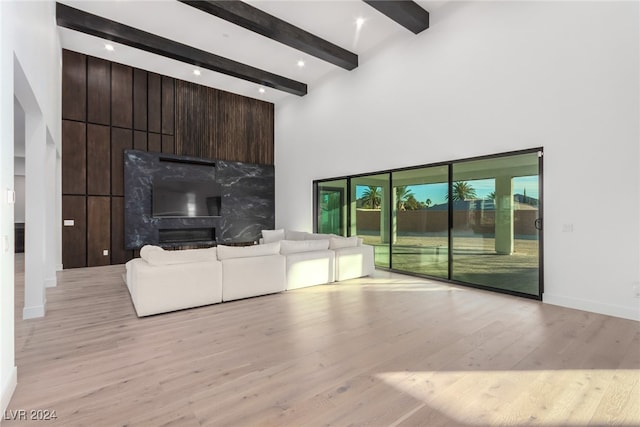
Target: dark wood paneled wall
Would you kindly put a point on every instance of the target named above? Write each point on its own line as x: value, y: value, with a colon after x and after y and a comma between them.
x: 98, y: 230
x: 108, y: 108
x: 221, y: 125
x: 105, y: 106
x: 74, y: 238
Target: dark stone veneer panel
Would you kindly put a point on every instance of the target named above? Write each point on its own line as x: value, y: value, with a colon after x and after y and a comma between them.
x: 247, y: 197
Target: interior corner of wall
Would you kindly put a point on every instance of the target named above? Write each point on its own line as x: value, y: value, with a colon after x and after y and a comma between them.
x: 623, y: 312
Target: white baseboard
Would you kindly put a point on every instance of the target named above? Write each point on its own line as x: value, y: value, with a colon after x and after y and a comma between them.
x: 594, y: 306
x: 8, y: 388
x: 33, y: 312
x: 59, y: 267
x: 51, y: 283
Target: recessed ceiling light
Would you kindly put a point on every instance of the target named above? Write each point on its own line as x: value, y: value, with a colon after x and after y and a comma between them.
x: 300, y: 63
x: 196, y: 72
x: 109, y: 47
x: 359, y: 22
x: 261, y: 90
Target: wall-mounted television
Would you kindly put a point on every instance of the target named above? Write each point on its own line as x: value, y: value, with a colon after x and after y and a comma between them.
x: 186, y: 199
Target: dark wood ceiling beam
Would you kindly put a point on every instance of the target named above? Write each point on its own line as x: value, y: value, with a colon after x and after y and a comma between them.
x: 407, y: 13
x: 254, y: 19
x: 94, y: 25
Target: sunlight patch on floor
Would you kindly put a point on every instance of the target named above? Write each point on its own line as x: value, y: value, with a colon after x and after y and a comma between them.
x: 514, y: 398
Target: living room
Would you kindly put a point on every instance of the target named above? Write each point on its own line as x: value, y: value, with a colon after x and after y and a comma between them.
x: 486, y: 78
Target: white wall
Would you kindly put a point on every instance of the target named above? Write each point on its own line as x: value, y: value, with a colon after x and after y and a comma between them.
x: 491, y: 77
x: 18, y: 186
x: 19, y: 164
x: 29, y: 70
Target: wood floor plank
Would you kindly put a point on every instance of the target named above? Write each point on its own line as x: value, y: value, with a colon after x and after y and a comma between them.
x: 390, y: 350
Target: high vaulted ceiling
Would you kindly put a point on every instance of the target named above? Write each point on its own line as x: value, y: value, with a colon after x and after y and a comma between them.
x: 330, y: 41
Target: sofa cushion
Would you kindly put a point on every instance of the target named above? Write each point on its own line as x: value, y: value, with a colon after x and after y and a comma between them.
x: 310, y: 268
x: 295, y: 246
x: 147, y: 249
x: 295, y: 235
x: 343, y: 242
x: 228, y: 252
x: 155, y: 255
x: 319, y: 236
x: 250, y: 277
x: 173, y: 287
x: 271, y: 236
x: 354, y: 262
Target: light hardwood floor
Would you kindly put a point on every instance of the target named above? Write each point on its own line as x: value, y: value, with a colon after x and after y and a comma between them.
x: 385, y: 351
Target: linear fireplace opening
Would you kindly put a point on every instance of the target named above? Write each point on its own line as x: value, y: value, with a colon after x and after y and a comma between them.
x: 186, y: 235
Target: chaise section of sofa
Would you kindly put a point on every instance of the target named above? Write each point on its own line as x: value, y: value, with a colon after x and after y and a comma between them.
x: 162, y: 281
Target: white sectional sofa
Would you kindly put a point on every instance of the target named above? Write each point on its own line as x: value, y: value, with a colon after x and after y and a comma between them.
x: 161, y: 281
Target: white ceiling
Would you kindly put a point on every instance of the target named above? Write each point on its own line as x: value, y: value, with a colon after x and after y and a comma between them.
x: 333, y: 20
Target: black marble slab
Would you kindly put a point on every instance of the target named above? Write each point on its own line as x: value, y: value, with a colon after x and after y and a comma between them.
x: 247, y: 205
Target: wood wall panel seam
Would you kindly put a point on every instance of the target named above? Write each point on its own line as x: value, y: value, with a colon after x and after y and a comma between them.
x: 154, y: 102
x: 74, y: 157
x: 121, y: 96
x: 121, y: 139
x: 98, y: 230
x: 154, y: 142
x: 139, y: 99
x: 98, y: 159
x: 74, y: 86
x: 139, y: 140
x: 167, y: 107
x: 74, y: 237
x: 119, y: 255
x: 98, y: 91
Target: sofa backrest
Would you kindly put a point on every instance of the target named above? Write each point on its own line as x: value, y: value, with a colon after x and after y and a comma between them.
x: 229, y: 252
x: 296, y: 246
x: 155, y: 255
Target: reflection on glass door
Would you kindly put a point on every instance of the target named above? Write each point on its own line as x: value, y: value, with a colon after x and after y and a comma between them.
x: 331, y: 208
x: 370, y: 202
x: 420, y: 221
x: 472, y: 221
x: 495, y: 210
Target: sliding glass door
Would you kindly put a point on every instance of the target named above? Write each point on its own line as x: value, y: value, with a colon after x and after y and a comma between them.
x: 420, y: 221
x: 331, y: 207
x: 370, y: 203
x: 495, y: 213
x: 474, y: 221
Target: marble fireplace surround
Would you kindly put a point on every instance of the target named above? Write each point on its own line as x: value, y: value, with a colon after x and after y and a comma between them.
x: 247, y: 204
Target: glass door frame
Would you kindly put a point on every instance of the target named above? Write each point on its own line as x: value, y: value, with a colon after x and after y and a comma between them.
x: 449, y: 164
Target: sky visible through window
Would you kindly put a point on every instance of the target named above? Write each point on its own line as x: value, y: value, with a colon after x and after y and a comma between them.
x: 437, y: 192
